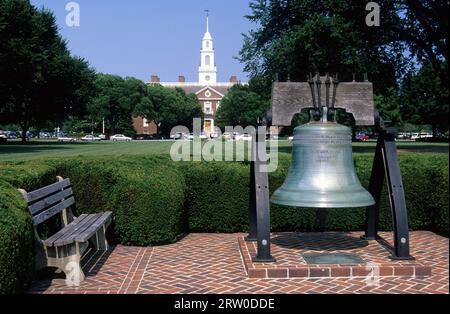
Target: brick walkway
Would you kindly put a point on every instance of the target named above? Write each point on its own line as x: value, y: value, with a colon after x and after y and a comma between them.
x: 212, y: 263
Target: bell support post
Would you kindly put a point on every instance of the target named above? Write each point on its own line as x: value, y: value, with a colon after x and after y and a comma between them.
x: 259, y: 197
x: 386, y: 166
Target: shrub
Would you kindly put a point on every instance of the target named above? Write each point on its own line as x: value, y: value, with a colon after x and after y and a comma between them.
x: 146, y: 195
x: 148, y: 203
x: 16, y: 241
x: 217, y: 199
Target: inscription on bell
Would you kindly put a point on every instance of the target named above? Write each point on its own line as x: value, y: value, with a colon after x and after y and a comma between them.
x: 323, y: 139
x: 324, y: 156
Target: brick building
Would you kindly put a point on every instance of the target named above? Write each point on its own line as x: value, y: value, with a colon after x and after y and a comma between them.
x: 209, y: 92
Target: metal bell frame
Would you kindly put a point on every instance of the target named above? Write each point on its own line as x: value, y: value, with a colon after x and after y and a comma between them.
x: 386, y: 166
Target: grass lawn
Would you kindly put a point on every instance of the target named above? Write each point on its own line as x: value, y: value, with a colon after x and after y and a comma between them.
x: 15, y: 151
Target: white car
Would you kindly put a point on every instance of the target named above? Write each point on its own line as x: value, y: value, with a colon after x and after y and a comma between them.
x: 178, y: 136
x: 227, y: 136
x: 244, y: 137
x: 66, y: 139
x: 90, y: 138
x: 120, y: 138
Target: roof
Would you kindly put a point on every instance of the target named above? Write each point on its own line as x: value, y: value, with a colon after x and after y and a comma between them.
x: 195, y: 89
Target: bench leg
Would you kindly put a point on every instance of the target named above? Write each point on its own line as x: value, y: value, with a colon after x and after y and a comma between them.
x: 69, y: 263
x: 72, y: 268
x: 101, y: 244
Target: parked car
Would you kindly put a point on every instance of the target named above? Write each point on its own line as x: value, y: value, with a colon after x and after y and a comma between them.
x: 244, y: 137
x: 103, y: 137
x: 90, y: 138
x: 120, y: 138
x: 178, y: 136
x: 362, y: 137
x: 227, y: 136
x: 143, y: 137
x: 3, y: 138
x: 65, y: 139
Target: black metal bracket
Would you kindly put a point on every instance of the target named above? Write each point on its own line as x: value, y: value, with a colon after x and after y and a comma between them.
x: 386, y: 166
x: 260, y: 199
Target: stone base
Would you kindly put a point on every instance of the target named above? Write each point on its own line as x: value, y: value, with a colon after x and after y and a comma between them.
x: 288, y: 249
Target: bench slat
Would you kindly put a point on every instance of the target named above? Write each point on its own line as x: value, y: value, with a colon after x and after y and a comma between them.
x: 46, y: 215
x: 89, y: 232
x: 45, y: 191
x: 49, y: 242
x: 49, y: 201
x: 69, y: 237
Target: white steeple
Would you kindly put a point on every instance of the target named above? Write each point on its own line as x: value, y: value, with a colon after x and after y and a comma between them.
x: 207, y: 72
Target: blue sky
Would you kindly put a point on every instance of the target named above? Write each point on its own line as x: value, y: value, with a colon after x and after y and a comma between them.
x: 144, y: 37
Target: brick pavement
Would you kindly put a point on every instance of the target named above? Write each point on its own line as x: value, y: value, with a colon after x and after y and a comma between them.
x: 213, y: 264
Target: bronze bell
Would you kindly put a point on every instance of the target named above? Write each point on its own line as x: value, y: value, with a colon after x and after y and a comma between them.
x: 322, y: 174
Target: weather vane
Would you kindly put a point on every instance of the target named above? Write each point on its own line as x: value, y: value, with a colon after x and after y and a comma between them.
x: 207, y: 12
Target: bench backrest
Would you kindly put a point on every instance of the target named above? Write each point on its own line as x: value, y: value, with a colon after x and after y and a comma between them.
x: 49, y: 201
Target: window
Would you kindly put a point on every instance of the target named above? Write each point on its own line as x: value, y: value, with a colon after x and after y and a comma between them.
x: 146, y: 124
x: 208, y: 78
x: 208, y: 60
x: 207, y: 44
x: 208, y: 107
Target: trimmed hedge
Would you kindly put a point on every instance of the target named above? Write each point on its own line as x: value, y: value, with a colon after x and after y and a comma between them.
x: 16, y: 229
x: 218, y: 198
x: 155, y: 201
x: 146, y: 195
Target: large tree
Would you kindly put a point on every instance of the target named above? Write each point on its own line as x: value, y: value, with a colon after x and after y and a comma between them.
x: 115, y: 101
x: 169, y: 108
x: 296, y: 37
x: 424, y: 27
x: 40, y: 82
x: 244, y: 104
x: 425, y: 98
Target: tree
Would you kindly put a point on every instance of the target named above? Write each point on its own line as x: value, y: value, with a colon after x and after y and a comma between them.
x: 169, y: 108
x: 424, y: 27
x: 425, y: 98
x: 297, y: 37
x: 243, y: 105
x: 115, y: 101
x: 388, y: 106
x: 40, y: 82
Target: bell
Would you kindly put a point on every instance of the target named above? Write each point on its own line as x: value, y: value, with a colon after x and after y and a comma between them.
x: 323, y: 173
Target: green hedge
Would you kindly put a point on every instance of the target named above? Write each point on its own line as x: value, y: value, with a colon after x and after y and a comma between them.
x: 16, y: 233
x: 217, y: 198
x: 155, y: 201
x: 146, y: 195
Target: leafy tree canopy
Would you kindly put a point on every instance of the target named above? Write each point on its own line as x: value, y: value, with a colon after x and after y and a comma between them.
x: 169, y: 108
x: 244, y: 104
x: 40, y: 82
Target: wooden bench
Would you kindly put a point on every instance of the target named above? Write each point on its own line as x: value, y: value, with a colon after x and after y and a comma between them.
x: 65, y: 248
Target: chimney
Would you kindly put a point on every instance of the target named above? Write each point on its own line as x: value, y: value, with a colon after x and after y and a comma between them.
x: 181, y: 79
x: 233, y: 79
x: 155, y: 79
